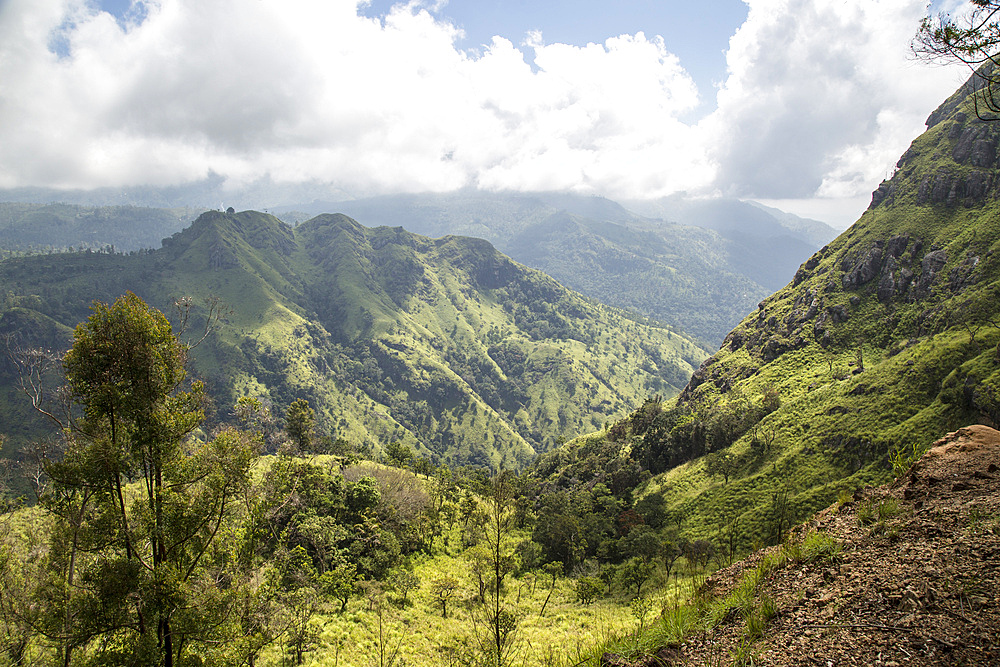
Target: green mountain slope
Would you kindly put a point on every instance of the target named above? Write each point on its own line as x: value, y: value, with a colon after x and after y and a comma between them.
x: 886, y: 339
x: 700, y: 276
x: 445, y: 344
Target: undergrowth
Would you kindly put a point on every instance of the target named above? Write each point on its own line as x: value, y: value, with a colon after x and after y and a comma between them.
x: 702, y: 612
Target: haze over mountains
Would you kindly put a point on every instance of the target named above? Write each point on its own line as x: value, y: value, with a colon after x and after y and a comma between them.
x: 696, y: 265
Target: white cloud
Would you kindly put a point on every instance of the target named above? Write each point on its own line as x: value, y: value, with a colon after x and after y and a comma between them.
x: 819, y: 98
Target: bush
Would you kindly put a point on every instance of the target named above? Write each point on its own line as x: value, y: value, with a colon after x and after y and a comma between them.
x: 589, y: 589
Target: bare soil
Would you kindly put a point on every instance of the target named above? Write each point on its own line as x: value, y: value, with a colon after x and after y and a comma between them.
x: 917, y: 588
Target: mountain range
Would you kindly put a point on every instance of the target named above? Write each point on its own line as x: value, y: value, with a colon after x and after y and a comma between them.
x: 697, y: 265
x: 444, y: 345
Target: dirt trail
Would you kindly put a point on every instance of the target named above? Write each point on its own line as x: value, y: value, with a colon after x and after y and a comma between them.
x: 920, y: 587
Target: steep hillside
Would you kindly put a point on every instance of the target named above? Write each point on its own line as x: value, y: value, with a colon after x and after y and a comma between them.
x: 886, y: 339
x: 700, y: 275
x: 763, y: 243
x: 445, y: 345
x: 905, y: 574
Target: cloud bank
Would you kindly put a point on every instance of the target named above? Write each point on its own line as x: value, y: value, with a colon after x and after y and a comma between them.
x: 819, y: 99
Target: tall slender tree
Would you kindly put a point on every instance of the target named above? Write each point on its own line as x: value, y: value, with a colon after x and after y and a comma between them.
x: 140, y: 500
x: 495, y: 622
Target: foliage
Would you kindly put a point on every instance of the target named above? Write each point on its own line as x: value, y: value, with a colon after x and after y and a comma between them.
x: 634, y: 572
x: 589, y: 589
x: 126, y: 565
x: 972, y: 38
x: 37, y: 228
x: 300, y: 420
x: 495, y: 623
x: 443, y: 590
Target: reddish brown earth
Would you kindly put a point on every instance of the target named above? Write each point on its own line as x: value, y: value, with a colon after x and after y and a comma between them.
x: 921, y: 589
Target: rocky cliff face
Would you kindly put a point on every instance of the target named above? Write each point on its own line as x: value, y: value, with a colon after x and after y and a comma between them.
x: 965, y: 166
x: 926, y: 239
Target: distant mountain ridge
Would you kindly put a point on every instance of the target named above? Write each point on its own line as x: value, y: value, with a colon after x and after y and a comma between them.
x: 443, y: 344
x: 56, y: 227
x: 695, y: 265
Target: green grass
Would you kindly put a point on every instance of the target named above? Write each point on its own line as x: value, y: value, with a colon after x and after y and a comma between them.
x: 566, y: 630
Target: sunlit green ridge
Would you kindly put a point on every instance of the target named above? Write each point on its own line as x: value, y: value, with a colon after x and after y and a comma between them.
x: 886, y: 339
x: 443, y: 344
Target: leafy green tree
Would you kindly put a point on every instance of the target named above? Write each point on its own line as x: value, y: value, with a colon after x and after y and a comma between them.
x: 589, y: 589
x: 443, y: 590
x: 722, y: 464
x: 145, y: 583
x: 641, y: 541
x: 404, y: 581
x: 364, y: 496
x: 398, y: 454
x: 634, y: 572
x: 608, y: 575
x: 670, y: 551
x: 300, y: 421
x: 338, y: 582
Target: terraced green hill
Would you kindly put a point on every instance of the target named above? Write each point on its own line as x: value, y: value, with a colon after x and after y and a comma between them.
x: 445, y: 345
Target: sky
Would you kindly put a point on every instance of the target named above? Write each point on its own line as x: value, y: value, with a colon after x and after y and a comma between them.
x: 801, y: 104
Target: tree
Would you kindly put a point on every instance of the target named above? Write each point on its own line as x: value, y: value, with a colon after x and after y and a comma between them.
x: 588, y: 589
x: 398, y: 454
x: 404, y: 581
x: 972, y: 39
x: 300, y: 420
x: 669, y: 552
x: 554, y: 569
x: 978, y: 313
x: 634, y: 572
x: 443, y: 589
x: 131, y: 564
x: 722, y: 464
x: 495, y: 623
x: 641, y: 541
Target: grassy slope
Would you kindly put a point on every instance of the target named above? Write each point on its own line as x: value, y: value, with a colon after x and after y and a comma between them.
x: 837, y: 429
x: 698, y: 280
x: 443, y: 344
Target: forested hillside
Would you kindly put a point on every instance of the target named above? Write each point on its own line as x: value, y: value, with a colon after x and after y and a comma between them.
x: 443, y: 345
x: 60, y: 227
